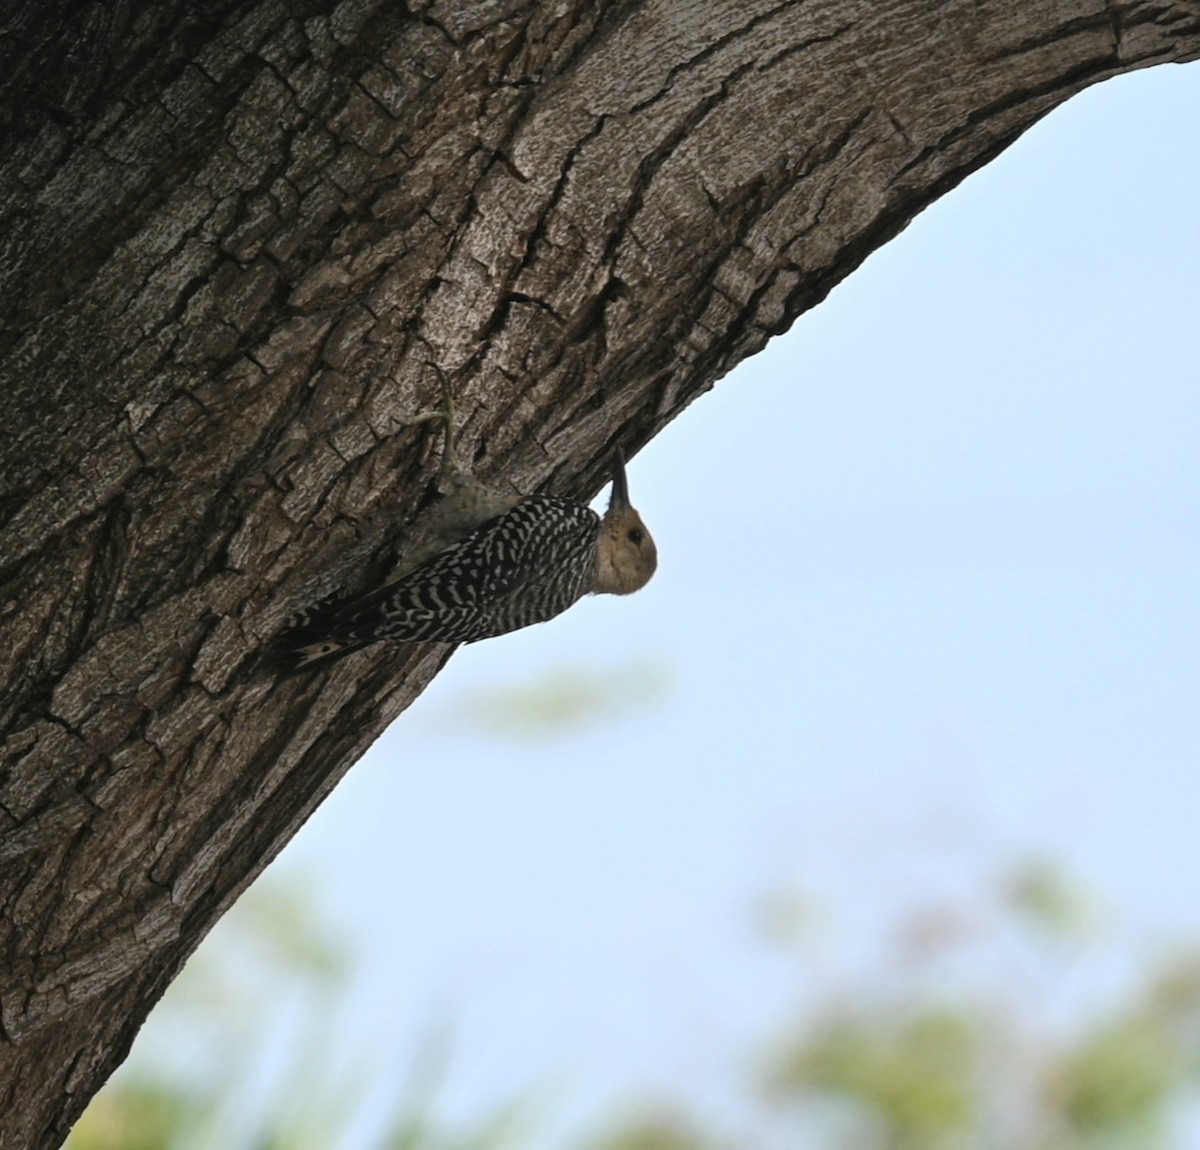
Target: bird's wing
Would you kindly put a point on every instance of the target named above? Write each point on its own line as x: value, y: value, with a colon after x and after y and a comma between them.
x: 494, y: 562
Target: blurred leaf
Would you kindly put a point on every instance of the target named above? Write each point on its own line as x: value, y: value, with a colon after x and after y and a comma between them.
x: 1174, y: 995
x: 562, y: 702
x: 141, y: 1115
x: 1116, y: 1081
x: 509, y: 1128
x: 660, y: 1131
x: 916, y: 1073
x: 1045, y: 898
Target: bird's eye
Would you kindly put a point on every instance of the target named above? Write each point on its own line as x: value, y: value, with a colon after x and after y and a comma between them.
x: 636, y: 535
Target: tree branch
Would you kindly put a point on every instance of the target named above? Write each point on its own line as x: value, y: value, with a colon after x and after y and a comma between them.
x: 242, y: 240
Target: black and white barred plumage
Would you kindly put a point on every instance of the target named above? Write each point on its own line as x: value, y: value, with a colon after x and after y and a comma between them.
x: 522, y: 567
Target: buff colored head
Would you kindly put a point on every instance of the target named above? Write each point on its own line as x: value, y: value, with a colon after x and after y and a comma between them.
x: 625, y: 554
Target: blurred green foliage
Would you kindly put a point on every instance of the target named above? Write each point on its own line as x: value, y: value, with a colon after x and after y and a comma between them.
x: 562, y: 702
x: 138, y: 1115
x: 1042, y: 895
x: 653, y: 1131
x: 1114, y: 1084
x: 895, y: 1059
x: 913, y: 1073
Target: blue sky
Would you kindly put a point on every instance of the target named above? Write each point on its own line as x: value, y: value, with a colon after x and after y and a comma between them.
x: 927, y: 604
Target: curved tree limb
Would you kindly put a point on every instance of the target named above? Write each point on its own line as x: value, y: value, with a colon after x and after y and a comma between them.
x: 243, y: 239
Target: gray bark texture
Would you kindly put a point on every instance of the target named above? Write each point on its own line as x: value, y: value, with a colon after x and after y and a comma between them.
x: 242, y: 241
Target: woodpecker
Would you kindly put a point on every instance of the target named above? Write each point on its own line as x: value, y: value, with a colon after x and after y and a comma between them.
x: 483, y: 564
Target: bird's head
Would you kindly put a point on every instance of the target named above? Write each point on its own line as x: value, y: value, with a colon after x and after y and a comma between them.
x: 625, y: 553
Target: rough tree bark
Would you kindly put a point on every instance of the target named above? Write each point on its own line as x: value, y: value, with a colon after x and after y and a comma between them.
x: 240, y: 240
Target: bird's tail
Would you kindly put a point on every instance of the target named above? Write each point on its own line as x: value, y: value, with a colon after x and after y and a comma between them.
x: 293, y: 656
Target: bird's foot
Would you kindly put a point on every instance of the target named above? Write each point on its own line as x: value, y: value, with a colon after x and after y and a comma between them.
x: 446, y: 416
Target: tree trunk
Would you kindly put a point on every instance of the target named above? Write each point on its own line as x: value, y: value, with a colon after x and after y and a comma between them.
x: 243, y: 239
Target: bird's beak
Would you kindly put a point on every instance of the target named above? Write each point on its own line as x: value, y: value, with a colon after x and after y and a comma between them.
x: 620, y: 485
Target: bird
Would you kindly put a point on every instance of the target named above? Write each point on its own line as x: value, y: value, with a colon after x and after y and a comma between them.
x: 482, y: 564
